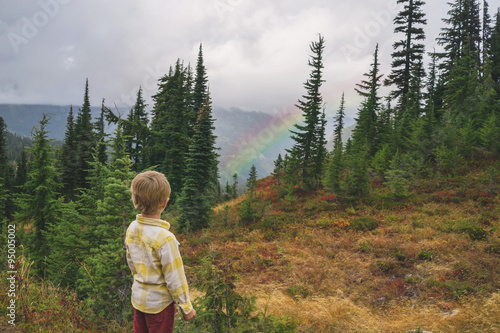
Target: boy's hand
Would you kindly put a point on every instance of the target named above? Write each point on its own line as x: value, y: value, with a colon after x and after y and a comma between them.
x: 190, y: 315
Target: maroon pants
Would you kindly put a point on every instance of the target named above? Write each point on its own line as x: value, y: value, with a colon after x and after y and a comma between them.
x: 162, y: 322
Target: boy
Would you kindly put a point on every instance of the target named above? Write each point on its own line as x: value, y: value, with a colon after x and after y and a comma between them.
x: 154, y: 259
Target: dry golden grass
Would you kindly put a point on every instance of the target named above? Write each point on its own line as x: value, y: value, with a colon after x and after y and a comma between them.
x: 418, y: 269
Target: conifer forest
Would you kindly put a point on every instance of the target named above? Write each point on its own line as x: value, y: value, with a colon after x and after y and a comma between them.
x: 394, y: 230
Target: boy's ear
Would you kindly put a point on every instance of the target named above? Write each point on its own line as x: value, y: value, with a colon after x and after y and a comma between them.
x: 165, y: 203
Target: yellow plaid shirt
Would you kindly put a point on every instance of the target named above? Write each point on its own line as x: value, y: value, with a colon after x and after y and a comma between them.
x: 154, y: 259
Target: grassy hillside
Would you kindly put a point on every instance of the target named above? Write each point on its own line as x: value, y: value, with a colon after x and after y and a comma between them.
x: 320, y: 264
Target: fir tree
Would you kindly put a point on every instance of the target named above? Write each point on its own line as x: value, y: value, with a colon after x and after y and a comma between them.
x: 494, y: 53
x: 234, y: 186
x: 200, y: 90
x: 100, y: 135
x: 201, y: 173
x: 308, y: 152
x: 278, y: 172
x: 462, y: 34
x: 136, y: 133
x: 252, y: 179
x: 5, y: 190
x: 339, y: 125
x: 21, y: 170
x: 335, y: 166
x: 69, y: 240
x: 490, y: 135
x: 38, y: 202
x: 365, y: 131
x: 69, y: 157
x: 170, y: 139
x: 105, y: 273
x: 85, y: 140
x: 408, y: 51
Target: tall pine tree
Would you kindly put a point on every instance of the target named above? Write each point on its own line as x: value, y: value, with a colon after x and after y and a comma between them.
x: 38, y: 201
x: 85, y: 141
x: 169, y: 141
x: 409, y: 51
x: 198, y: 192
x: 308, y: 152
x: 365, y: 132
x: 69, y: 158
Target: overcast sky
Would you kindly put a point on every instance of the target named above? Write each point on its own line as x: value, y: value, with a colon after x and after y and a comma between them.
x: 255, y: 51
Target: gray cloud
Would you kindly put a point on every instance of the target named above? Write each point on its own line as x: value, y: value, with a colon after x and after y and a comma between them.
x: 255, y: 51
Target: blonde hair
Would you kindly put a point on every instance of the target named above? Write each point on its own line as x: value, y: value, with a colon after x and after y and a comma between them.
x: 149, y: 190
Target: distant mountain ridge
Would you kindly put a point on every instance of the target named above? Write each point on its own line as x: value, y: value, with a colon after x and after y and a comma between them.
x: 232, y: 127
x: 235, y: 129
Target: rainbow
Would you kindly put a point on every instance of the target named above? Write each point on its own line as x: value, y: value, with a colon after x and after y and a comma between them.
x: 258, y: 141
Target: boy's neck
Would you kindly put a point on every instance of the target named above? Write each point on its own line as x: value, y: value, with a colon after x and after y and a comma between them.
x: 156, y: 216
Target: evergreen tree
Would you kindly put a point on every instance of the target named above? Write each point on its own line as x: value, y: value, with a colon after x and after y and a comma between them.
x: 100, y: 135
x: 68, y: 161
x: 105, y: 273
x: 365, y: 131
x: 461, y: 36
x: 409, y: 51
x: 308, y: 152
x: 278, y: 172
x: 201, y: 173
x: 136, y: 133
x: 69, y: 240
x: 433, y: 96
x: 252, y: 178
x: 170, y: 139
x: 85, y: 140
x: 460, y: 92
x: 339, y: 125
x: 21, y: 170
x: 490, y: 135
x: 200, y: 89
x: 494, y: 53
x: 357, y: 182
x: 234, y: 186
x: 335, y: 166
x: 38, y: 201
x: 5, y: 189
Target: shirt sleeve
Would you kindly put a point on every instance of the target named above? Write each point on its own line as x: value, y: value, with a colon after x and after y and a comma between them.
x: 173, y: 271
x: 130, y: 263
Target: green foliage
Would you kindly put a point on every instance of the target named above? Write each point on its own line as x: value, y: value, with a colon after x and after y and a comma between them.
x: 85, y: 140
x: 69, y: 159
x: 382, y: 160
x: 298, y: 290
x: 136, y: 133
x: 222, y: 309
x: 69, y: 238
x: 38, y: 202
x: 105, y: 281
x: 357, y: 182
x: 364, y: 135
x: 308, y: 152
x: 447, y: 158
x: 252, y: 178
x: 201, y: 174
x: 169, y: 139
x: 366, y: 223
x: 490, y: 134
x: 425, y: 255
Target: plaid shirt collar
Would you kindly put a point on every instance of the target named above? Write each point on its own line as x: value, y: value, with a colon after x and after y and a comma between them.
x: 155, y: 222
